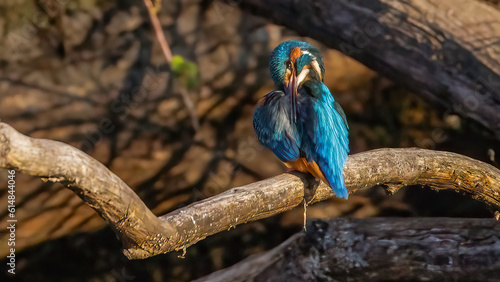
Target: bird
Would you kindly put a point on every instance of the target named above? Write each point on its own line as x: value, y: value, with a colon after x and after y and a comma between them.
x: 300, y: 121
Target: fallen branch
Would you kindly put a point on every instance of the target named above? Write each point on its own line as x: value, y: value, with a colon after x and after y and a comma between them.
x: 375, y: 249
x: 144, y: 235
x: 447, y: 51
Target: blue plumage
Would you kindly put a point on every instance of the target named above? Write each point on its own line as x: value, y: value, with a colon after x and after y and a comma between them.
x: 301, y: 122
x: 274, y: 128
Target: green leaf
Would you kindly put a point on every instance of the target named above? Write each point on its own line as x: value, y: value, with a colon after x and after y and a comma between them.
x: 185, y: 70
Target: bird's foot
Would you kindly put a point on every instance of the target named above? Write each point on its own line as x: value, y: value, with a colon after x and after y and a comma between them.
x: 310, y: 186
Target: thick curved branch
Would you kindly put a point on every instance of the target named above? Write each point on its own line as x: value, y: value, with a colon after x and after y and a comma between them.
x: 448, y: 51
x: 144, y: 235
x: 137, y: 227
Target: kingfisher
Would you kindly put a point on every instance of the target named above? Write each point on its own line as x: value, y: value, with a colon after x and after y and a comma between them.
x: 300, y: 121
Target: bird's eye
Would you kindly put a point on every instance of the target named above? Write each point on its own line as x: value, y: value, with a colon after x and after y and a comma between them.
x: 288, y: 64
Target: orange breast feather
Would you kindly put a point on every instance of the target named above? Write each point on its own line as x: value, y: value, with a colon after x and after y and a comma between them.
x: 302, y: 165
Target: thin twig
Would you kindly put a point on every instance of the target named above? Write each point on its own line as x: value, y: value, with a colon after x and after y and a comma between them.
x: 160, y: 36
x: 158, y: 30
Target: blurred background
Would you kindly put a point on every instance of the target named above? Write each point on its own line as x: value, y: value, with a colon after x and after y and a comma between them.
x: 92, y: 74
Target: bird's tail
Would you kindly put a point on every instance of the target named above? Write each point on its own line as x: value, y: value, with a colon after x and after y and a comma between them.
x: 335, y: 179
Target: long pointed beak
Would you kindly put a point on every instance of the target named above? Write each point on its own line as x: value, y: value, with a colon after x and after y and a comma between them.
x: 291, y: 90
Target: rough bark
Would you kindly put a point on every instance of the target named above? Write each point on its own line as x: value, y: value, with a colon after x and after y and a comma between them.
x: 375, y: 249
x: 448, y: 51
x: 144, y: 235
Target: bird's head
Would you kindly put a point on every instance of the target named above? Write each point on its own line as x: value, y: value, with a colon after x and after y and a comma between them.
x: 291, y: 64
x: 295, y: 59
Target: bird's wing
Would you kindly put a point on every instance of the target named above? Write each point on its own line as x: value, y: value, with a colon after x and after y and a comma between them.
x: 326, y: 140
x: 272, y: 126
x: 339, y: 110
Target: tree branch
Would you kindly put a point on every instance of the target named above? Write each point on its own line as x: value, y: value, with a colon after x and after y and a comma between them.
x: 144, y: 235
x: 448, y: 51
x: 376, y: 249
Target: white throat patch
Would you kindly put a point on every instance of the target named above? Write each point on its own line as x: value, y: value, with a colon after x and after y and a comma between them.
x: 303, y: 74
x: 315, y: 64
